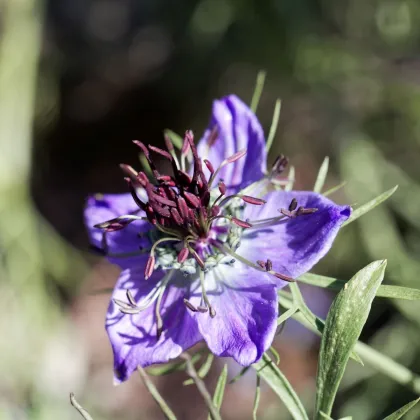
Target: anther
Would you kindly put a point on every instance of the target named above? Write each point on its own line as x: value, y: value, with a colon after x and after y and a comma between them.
x: 190, y: 306
x: 209, y: 166
x: 279, y: 165
x: 283, y: 277
x: 241, y: 223
x: 192, y: 200
x: 222, y: 188
x: 130, y: 297
x: 293, y: 204
x: 202, y: 309
x: 253, y: 200
x: 212, y: 311
x: 150, y: 266
x: 269, y: 265
x: 183, y: 255
x: 161, y: 152
x: 302, y: 211
x: 261, y: 263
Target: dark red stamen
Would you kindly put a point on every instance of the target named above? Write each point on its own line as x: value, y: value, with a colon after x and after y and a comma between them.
x: 283, y: 277
x: 209, y: 166
x: 183, y: 255
x: 241, y: 223
x: 150, y: 266
x: 253, y: 200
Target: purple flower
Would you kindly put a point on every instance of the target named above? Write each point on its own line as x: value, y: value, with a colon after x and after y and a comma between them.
x: 203, y: 252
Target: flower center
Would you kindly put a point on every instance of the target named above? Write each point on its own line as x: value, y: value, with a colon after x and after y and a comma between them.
x: 190, y: 217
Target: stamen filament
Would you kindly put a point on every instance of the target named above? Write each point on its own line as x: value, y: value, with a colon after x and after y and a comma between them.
x: 251, y: 264
x: 204, y: 295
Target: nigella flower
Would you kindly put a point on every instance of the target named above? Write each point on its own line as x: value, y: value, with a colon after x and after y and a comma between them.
x: 204, y: 251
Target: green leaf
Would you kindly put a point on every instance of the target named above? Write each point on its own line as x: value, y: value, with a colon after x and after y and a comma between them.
x: 79, y: 408
x: 401, y: 411
x: 256, y: 398
x: 334, y: 189
x: 311, y: 320
x: 343, y: 326
x: 275, y: 354
x: 387, y: 291
x: 220, y: 389
x: 271, y: 374
x: 239, y: 375
x: 322, y: 175
x: 289, y: 313
x: 204, y: 369
x: 274, y: 124
x: 325, y: 416
x: 175, y: 138
x: 373, y: 358
x: 360, y: 211
x: 291, y: 179
x: 168, y: 368
x: 155, y: 394
x: 259, y: 86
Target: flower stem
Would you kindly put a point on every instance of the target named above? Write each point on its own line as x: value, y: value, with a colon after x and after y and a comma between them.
x: 155, y: 394
x: 192, y: 373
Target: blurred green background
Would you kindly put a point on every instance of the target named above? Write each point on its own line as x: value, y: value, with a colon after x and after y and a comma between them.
x: 79, y: 79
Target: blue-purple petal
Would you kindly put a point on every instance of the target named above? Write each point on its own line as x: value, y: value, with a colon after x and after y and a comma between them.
x: 293, y: 245
x: 245, y: 302
x: 102, y: 207
x: 238, y: 129
x: 133, y: 336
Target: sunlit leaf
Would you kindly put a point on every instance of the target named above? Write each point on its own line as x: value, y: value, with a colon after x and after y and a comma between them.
x: 259, y: 86
x: 256, y: 398
x: 274, y: 124
x: 316, y: 323
x: 344, y: 323
x: 168, y: 368
x: 204, y: 369
x: 220, y: 389
x: 322, y: 175
x: 403, y: 410
x: 155, y: 394
x: 275, y: 354
x: 373, y: 358
x: 387, y: 291
x: 360, y: 211
x: 239, y: 375
x: 334, y: 189
x: 272, y: 375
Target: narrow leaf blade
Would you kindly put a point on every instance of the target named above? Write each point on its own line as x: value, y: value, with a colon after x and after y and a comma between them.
x: 155, y: 394
x: 322, y: 175
x: 369, y: 205
x: 343, y: 326
x: 274, y: 124
x: 401, y: 411
x: 259, y: 86
x: 257, y: 398
x: 384, y: 290
x: 281, y: 386
x: 220, y: 389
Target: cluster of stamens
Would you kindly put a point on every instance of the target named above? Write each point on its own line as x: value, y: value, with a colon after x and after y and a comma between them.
x: 185, y: 211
